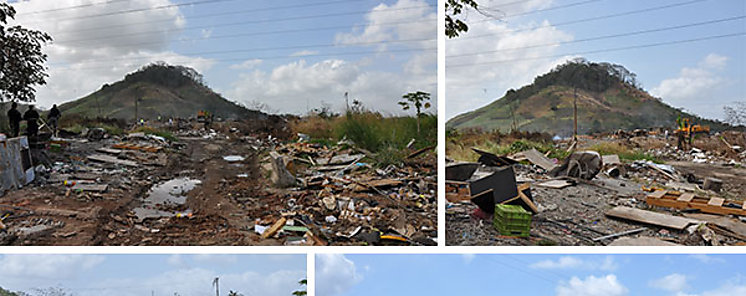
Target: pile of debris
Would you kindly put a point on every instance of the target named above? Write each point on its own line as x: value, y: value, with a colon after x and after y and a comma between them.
x: 335, y: 197
x: 220, y: 186
x: 589, y: 199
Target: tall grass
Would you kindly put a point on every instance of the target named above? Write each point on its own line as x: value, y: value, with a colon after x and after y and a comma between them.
x: 370, y: 130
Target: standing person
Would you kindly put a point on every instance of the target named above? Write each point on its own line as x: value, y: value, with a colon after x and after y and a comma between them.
x: 31, y: 117
x: 14, y: 118
x: 54, y: 117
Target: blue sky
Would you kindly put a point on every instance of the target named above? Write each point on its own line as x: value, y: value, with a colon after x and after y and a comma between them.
x: 188, y: 275
x: 700, y: 77
x: 561, y: 275
x: 287, y: 55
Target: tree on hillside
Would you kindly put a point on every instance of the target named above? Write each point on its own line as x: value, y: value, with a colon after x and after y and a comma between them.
x: 49, y: 292
x: 417, y: 99
x: 21, y: 58
x: 735, y: 114
x: 4, y: 292
x: 303, y: 292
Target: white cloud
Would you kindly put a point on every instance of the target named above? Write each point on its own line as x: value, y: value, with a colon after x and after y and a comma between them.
x: 21, y: 268
x: 175, y: 260
x: 707, y: 259
x: 216, y: 258
x: 296, y: 86
x: 693, y: 84
x: 673, y: 282
x: 472, y: 86
x: 90, y: 51
x: 569, y: 262
x: 198, y: 281
x: 304, y: 53
x: 398, y: 12
x: 561, y: 263
x: 335, y: 274
x: 731, y: 287
x: 714, y: 61
x: 248, y: 64
x: 468, y: 258
x: 592, y: 286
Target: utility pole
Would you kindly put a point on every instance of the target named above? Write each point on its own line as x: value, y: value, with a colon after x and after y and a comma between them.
x: 347, y: 103
x: 575, y: 114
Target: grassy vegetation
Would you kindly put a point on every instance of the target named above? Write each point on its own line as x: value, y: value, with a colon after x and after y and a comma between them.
x: 624, y: 152
x: 459, y: 144
x: 154, y: 131
x: 77, y: 123
x: 385, y: 136
x: 369, y: 130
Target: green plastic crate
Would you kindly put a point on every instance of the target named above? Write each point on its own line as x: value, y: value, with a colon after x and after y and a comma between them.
x: 512, y: 220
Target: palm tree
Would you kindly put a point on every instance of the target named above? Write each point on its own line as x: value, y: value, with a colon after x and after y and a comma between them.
x: 303, y: 292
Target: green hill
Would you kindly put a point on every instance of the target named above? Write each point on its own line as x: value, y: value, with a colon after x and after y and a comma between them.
x: 608, y: 98
x: 163, y: 90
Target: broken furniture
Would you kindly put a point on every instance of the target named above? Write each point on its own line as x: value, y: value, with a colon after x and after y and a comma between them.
x: 502, y: 185
x: 684, y: 201
x: 487, y: 189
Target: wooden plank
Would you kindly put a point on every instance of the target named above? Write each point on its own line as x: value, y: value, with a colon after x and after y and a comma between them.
x: 648, y: 217
x: 556, y: 184
x: 641, y: 241
x: 686, y: 197
x: 111, y: 159
x: 658, y: 194
x: 109, y: 151
x: 716, y: 202
x: 539, y: 159
x: 272, y: 230
x: 90, y: 187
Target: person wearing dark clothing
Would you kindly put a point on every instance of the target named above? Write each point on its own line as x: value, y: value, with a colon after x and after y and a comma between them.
x: 14, y: 118
x: 53, y: 117
x: 31, y: 117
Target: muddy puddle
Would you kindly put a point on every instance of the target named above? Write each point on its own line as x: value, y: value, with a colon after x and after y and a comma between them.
x: 164, y: 196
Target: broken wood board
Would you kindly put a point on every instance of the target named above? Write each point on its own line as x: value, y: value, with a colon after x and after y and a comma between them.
x: 111, y: 159
x: 653, y: 218
x: 382, y: 183
x: 523, y: 201
x: 458, y: 191
x: 491, y: 159
x: 125, y: 146
x: 683, y: 201
x: 109, y: 151
x: 339, y: 159
x: 556, y: 184
x: 535, y: 157
x: 732, y: 225
x: 272, y: 230
x: 420, y: 151
x: 90, y: 187
x: 641, y: 241
x: 612, y: 159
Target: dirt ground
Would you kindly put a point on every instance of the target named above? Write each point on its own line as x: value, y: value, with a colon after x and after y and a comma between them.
x: 227, y: 206
x: 575, y: 215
